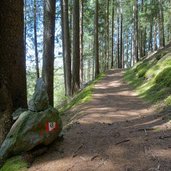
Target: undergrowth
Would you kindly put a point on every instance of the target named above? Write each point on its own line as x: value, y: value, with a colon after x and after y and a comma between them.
x: 152, y: 78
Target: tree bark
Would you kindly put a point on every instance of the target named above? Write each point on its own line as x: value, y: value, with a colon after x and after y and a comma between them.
x: 155, y: 36
x: 81, y: 41
x: 150, y: 44
x: 142, y: 31
x: 35, y: 39
x: 66, y: 47
x: 118, y: 44
x: 127, y: 50
x: 96, y: 40
x: 62, y: 31
x: 121, y: 41
x: 48, y: 46
x: 76, y: 48
x: 112, y: 60
x: 161, y: 24
x: 12, y: 62
x: 107, y: 37
x: 135, y: 16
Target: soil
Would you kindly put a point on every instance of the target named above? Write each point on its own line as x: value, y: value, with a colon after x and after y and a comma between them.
x: 115, y: 131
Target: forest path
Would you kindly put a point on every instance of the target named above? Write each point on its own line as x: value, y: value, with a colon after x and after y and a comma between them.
x: 116, y: 131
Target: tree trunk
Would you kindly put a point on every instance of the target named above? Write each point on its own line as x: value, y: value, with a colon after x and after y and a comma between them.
x: 107, y: 37
x: 132, y: 42
x: 48, y: 46
x: 161, y: 25
x: 142, y: 34
x: 121, y: 41
x: 12, y: 62
x: 67, y: 47
x: 76, y: 48
x: 155, y: 36
x: 25, y: 26
x: 62, y: 26
x: 96, y: 40
x: 150, y: 44
x: 89, y: 70
x: 127, y: 50
x: 81, y: 41
x: 135, y: 45
x: 144, y: 42
x: 35, y: 39
x: 118, y: 44
x: 140, y: 41
x: 168, y: 33
x: 112, y: 60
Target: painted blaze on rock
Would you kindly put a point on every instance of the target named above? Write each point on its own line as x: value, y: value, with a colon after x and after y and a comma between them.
x: 32, y: 129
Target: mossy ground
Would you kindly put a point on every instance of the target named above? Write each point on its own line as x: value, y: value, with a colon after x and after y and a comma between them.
x: 15, y: 164
x: 152, y: 77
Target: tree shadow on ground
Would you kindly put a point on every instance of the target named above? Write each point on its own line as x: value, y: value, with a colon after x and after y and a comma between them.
x: 140, y: 143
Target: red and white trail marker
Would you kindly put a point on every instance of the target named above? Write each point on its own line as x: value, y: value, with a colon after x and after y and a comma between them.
x: 51, y: 126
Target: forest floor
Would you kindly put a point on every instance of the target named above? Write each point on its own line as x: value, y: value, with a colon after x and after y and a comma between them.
x: 115, y: 131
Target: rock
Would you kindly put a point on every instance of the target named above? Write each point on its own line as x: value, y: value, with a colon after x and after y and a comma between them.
x: 41, y: 124
x: 40, y: 100
x: 16, y: 114
x: 31, y: 129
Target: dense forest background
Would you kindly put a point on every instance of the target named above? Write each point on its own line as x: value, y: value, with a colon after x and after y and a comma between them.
x: 70, y: 42
x: 111, y: 34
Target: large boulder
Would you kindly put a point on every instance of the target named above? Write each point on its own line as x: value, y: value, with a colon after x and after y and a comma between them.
x: 39, y: 101
x: 31, y: 129
x: 41, y: 124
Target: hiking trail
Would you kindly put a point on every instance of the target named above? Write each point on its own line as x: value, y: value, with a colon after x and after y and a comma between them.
x: 115, y: 131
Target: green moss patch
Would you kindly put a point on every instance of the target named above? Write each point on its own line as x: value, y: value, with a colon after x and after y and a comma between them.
x: 15, y: 164
x: 152, y: 78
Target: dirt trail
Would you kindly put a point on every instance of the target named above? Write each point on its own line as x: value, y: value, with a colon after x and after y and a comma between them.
x: 116, y: 131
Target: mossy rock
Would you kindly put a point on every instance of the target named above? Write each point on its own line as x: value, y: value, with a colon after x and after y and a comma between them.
x: 31, y: 129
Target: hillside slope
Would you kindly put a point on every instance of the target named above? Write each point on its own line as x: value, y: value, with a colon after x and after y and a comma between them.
x: 152, y: 77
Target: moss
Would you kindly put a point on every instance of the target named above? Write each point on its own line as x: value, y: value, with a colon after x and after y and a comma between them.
x: 168, y: 100
x: 15, y: 164
x: 152, y: 78
x: 84, y: 96
x: 164, y: 77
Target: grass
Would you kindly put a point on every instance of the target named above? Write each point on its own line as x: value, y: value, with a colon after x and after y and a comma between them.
x: 14, y: 164
x: 84, y: 96
x: 152, y: 78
